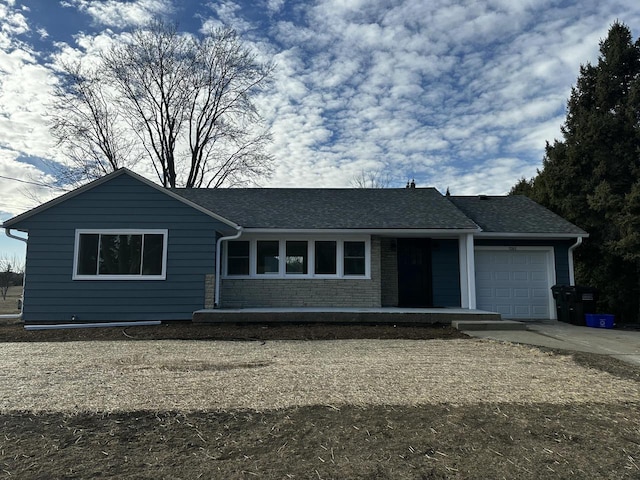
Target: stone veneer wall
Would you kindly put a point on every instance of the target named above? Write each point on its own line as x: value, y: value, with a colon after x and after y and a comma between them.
x: 389, y: 272
x: 305, y: 292
x: 209, y: 291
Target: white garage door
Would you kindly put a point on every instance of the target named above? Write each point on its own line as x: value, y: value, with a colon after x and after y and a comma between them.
x: 514, y: 283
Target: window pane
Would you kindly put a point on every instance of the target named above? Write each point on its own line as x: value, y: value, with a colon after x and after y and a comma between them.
x: 354, y: 249
x: 354, y: 258
x: 268, y: 256
x: 238, y: 258
x: 120, y: 254
x: 296, y: 257
x: 88, y: 254
x: 326, y: 258
x: 152, y: 256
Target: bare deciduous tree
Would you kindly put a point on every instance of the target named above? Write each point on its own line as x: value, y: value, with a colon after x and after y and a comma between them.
x: 87, y: 124
x: 372, y: 179
x: 186, y: 100
x: 11, y: 271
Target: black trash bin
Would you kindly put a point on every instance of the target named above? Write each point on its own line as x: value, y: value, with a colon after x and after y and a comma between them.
x: 559, y: 293
x: 580, y: 301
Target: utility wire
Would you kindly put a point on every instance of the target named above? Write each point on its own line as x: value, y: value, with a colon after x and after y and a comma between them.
x: 33, y: 183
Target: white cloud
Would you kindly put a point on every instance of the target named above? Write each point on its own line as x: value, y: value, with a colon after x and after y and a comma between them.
x: 122, y: 14
x: 17, y: 184
x: 454, y: 94
x: 428, y: 83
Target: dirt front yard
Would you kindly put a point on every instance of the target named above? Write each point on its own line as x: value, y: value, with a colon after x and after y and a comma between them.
x: 395, y: 408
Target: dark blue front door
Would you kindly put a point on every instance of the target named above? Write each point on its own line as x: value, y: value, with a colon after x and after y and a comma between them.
x: 414, y: 272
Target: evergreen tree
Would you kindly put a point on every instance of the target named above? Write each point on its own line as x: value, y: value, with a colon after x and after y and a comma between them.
x: 592, y: 176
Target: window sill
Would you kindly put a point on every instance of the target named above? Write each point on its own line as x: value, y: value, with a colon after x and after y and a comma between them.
x: 119, y: 277
x: 295, y: 277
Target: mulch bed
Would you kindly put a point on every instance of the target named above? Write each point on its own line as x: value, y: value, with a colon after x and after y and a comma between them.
x: 190, y: 331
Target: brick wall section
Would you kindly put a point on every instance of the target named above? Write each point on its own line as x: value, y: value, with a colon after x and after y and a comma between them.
x: 389, y: 272
x: 307, y: 292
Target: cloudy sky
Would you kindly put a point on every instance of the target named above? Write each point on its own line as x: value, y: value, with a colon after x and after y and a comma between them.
x: 458, y: 94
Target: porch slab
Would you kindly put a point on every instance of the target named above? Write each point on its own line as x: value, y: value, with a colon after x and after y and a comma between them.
x: 493, y: 325
x: 342, y: 315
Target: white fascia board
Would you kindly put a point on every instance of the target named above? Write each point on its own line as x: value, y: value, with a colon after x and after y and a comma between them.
x: 531, y: 236
x: 360, y: 231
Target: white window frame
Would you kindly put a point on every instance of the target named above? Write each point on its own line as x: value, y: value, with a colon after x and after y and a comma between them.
x: 311, y: 261
x: 121, y: 231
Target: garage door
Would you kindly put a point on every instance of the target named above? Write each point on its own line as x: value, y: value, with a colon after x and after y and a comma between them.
x: 514, y: 283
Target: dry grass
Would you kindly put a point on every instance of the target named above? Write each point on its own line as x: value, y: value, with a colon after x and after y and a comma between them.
x: 10, y: 304
x: 214, y: 376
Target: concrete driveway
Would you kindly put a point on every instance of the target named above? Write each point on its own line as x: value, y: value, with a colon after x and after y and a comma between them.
x: 621, y: 344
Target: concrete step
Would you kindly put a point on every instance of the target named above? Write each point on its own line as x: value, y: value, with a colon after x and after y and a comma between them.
x: 488, y: 325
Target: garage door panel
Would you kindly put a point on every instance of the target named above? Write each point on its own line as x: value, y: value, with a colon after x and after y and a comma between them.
x: 522, y: 310
x: 502, y: 293
x: 538, y: 259
x: 484, y: 293
x: 513, y: 283
x: 539, y: 276
x: 483, y: 275
x: 520, y: 276
x: 540, y: 293
x: 539, y: 311
x: 502, y: 276
x: 503, y: 310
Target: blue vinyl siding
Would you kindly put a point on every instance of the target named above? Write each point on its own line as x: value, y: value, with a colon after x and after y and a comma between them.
x: 560, y: 252
x: 446, y: 273
x: 121, y: 203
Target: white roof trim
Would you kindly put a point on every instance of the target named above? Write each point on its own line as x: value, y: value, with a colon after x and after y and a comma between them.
x: 365, y: 231
x: 106, y: 178
x: 531, y: 235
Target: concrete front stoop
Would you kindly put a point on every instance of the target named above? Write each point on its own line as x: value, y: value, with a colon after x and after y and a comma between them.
x: 493, y: 325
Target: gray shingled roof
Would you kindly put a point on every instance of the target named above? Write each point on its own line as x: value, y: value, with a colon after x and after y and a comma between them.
x: 307, y: 208
x: 513, y: 214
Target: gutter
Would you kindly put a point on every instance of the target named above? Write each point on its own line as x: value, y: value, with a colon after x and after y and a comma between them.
x: 7, y: 230
x: 216, y: 297
x: 572, y: 280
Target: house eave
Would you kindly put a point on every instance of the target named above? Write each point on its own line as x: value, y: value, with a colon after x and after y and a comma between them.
x: 389, y: 232
x: 531, y: 236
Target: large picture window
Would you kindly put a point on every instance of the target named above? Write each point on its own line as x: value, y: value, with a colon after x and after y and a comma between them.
x: 120, y: 255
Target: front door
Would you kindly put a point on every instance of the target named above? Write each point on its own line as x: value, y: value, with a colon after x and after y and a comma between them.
x: 414, y: 272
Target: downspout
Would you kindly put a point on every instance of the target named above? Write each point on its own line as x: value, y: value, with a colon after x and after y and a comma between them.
x: 572, y: 280
x: 216, y: 298
x: 24, y: 274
